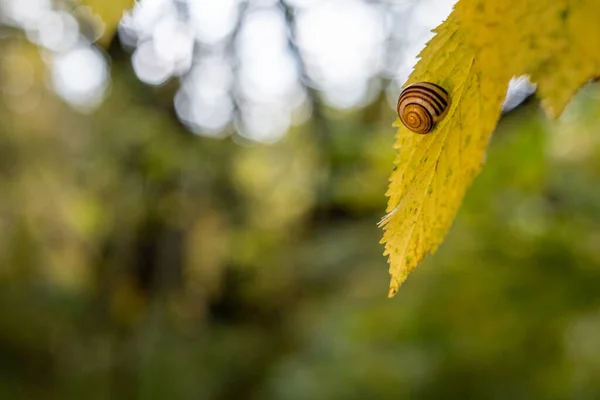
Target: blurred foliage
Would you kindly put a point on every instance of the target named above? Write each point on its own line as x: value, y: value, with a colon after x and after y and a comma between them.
x: 140, y: 261
x: 109, y: 15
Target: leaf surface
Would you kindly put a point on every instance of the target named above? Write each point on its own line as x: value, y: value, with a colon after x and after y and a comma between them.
x: 475, y: 53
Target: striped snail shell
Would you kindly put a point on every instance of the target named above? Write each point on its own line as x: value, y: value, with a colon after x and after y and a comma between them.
x: 422, y: 105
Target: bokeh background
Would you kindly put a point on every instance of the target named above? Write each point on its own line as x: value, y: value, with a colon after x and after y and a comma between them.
x: 190, y: 212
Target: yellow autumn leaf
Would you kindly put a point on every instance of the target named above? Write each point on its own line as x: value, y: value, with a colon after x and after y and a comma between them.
x: 110, y: 12
x: 475, y: 53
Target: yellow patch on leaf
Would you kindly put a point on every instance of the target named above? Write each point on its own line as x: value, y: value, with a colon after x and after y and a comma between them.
x: 475, y: 53
x: 110, y: 12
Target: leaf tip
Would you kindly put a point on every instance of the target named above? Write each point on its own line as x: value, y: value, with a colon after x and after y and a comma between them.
x: 394, y: 286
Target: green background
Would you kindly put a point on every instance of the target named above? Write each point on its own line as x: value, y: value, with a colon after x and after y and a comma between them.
x: 140, y: 261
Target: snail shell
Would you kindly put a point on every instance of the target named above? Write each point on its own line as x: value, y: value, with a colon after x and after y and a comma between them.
x: 422, y: 105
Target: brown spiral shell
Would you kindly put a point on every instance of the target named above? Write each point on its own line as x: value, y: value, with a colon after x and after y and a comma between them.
x: 422, y: 105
